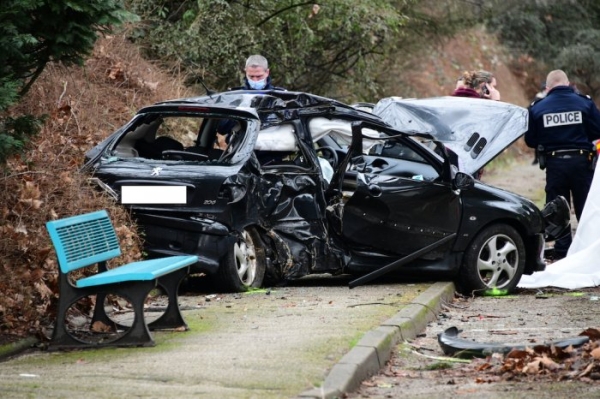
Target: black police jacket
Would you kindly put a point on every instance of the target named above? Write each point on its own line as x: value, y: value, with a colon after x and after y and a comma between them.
x: 563, y: 120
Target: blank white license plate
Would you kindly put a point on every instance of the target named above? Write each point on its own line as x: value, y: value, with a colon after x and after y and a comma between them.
x: 153, y: 195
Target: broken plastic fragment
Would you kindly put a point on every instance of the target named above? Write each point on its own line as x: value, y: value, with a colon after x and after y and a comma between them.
x: 458, y: 347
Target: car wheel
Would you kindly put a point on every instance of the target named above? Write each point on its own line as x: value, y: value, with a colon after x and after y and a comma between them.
x: 495, y: 259
x: 244, y: 266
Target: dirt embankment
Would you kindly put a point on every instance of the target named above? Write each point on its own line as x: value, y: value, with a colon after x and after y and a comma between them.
x: 435, y: 73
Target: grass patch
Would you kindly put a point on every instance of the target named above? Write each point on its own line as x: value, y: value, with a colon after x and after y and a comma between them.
x: 438, y: 366
x: 266, y: 291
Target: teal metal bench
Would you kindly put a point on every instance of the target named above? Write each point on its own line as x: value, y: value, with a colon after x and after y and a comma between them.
x: 89, y: 239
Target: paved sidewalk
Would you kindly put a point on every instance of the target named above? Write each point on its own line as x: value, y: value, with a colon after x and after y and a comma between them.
x: 375, y: 348
x: 245, y: 346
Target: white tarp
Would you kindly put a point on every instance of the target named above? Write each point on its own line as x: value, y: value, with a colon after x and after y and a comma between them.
x: 581, y: 267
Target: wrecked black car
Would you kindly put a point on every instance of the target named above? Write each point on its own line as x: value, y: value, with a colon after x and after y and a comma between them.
x: 275, y: 185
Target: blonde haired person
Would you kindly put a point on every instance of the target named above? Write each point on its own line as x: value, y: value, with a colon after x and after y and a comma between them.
x: 477, y: 84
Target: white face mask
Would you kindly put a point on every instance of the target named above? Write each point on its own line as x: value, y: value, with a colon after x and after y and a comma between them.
x: 257, y: 84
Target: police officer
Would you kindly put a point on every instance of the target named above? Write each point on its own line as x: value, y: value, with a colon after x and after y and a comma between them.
x: 562, y: 126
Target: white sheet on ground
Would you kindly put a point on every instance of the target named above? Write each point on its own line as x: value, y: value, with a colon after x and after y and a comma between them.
x: 581, y: 267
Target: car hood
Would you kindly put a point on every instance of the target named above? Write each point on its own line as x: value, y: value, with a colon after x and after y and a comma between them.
x: 476, y: 130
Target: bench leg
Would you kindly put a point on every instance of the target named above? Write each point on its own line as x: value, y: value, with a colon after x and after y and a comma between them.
x: 138, y: 334
x: 60, y: 336
x: 172, y: 317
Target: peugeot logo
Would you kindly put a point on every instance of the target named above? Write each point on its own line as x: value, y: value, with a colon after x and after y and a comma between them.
x: 155, y: 171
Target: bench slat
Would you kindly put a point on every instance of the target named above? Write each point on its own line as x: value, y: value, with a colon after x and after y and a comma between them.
x: 142, y: 270
x: 83, y: 240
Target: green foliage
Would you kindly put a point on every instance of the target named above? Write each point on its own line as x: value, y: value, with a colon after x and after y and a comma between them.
x: 36, y: 32
x: 541, y: 28
x: 521, y: 30
x: 347, y: 49
x: 14, y: 133
x: 582, y: 61
x: 310, y: 47
x: 560, y: 34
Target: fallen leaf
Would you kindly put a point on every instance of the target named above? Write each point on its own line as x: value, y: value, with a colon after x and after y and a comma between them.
x: 516, y: 354
x: 532, y: 367
x: 592, y: 333
x: 548, y: 363
x: 99, y: 326
x: 587, y: 370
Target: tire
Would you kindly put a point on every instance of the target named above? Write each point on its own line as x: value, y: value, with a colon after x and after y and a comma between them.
x: 244, y: 266
x: 494, y: 259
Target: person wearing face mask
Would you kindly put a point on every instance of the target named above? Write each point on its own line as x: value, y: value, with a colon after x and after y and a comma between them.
x: 257, y: 78
x: 257, y: 75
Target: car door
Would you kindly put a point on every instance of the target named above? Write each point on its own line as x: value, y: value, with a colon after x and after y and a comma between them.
x: 292, y: 200
x: 400, y: 203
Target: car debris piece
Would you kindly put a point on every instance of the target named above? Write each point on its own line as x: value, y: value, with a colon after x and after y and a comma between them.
x: 452, y: 345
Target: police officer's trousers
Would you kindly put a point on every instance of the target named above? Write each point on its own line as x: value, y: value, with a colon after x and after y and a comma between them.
x: 568, y: 176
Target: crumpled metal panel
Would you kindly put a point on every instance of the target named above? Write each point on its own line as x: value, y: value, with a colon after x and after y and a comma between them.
x: 294, y: 219
x: 477, y: 130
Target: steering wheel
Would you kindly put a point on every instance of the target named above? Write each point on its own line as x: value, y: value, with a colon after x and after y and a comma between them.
x: 183, y: 155
x: 329, y: 154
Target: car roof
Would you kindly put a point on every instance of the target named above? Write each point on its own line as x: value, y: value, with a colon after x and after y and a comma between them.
x: 273, y: 106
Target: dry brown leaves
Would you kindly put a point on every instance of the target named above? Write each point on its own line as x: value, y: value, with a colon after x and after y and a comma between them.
x: 542, y: 362
x: 83, y: 106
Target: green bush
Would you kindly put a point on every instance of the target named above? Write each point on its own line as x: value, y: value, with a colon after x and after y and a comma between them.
x: 34, y: 33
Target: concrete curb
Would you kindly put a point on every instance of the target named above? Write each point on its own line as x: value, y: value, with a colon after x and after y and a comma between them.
x: 375, y: 348
x: 9, y: 350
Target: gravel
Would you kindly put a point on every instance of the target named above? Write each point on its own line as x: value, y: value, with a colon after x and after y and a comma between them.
x: 420, y: 369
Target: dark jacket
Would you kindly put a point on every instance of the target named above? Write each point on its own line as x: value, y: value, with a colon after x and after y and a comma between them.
x: 246, y: 86
x: 226, y: 125
x: 563, y: 120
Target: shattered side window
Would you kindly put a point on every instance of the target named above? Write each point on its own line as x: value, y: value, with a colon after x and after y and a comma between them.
x: 183, y: 129
x: 394, y: 149
x: 173, y: 137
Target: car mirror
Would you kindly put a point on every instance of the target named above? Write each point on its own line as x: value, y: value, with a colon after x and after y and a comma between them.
x: 463, y: 181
